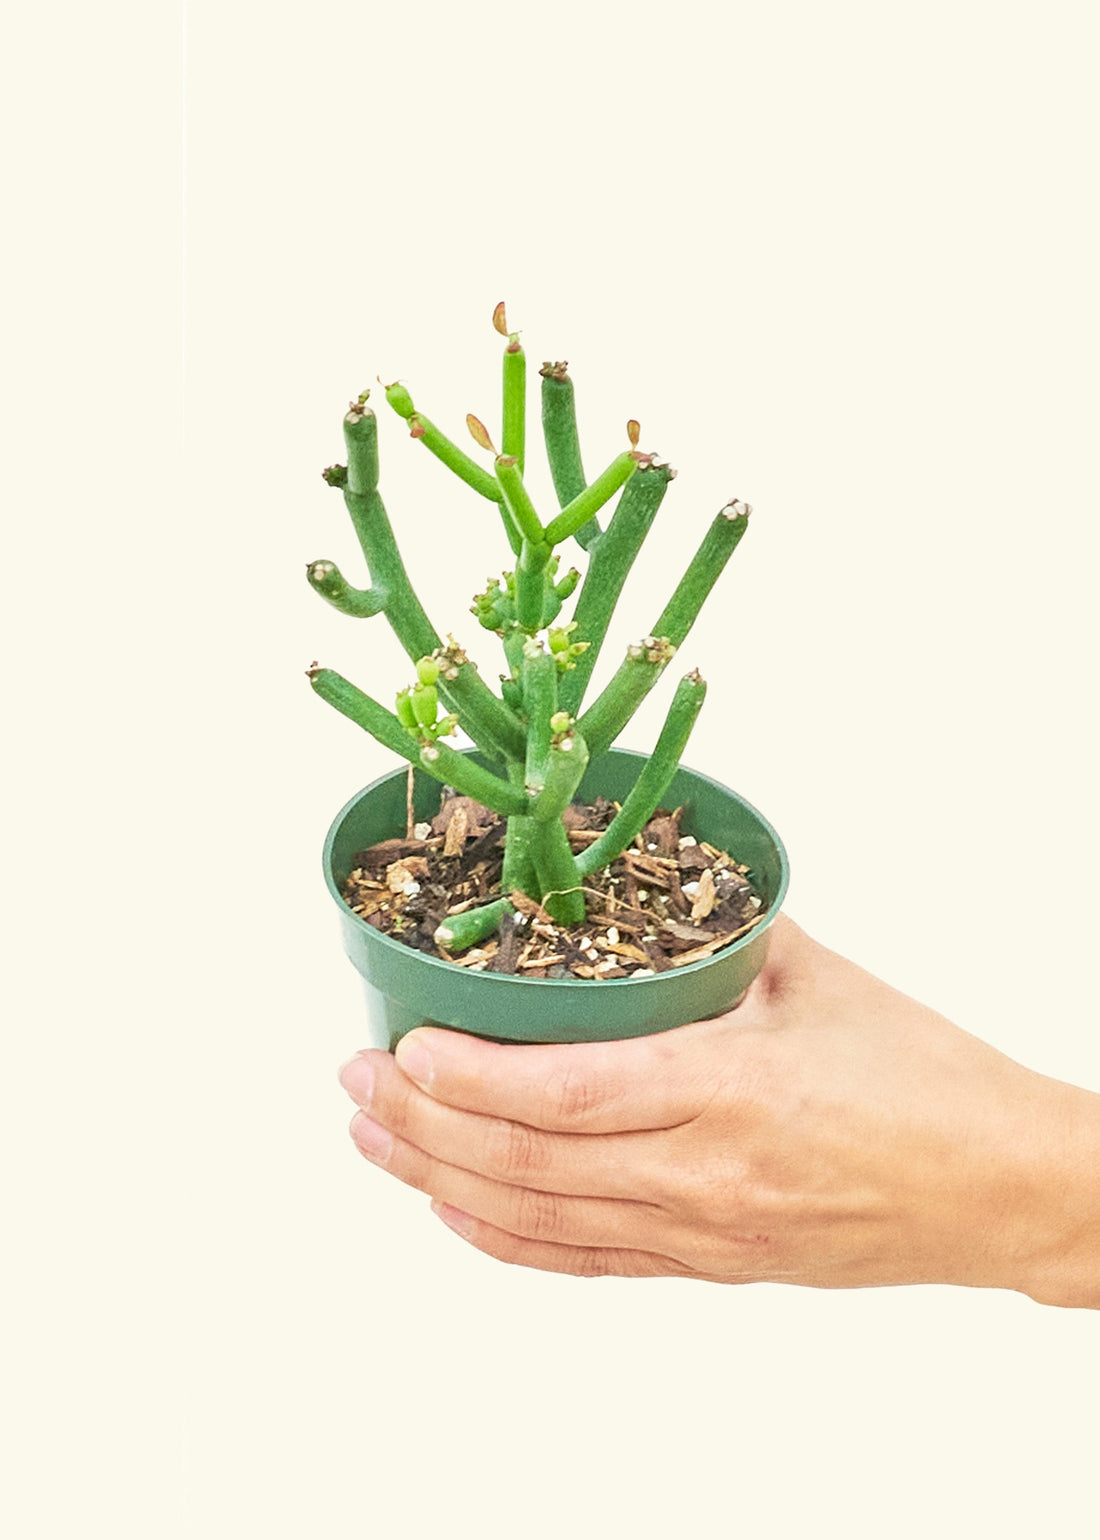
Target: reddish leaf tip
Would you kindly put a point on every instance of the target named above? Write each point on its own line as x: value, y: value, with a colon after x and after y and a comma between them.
x: 479, y: 433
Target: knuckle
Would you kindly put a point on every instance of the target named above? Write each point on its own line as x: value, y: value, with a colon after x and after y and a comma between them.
x: 538, y: 1215
x: 645, y: 1264
x: 590, y: 1262
x: 722, y: 1194
x: 516, y: 1151
x: 752, y: 1210
x: 394, y: 1102
x: 572, y: 1095
x: 755, y: 1083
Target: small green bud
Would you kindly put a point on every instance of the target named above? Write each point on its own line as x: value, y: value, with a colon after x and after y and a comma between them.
x: 425, y: 704
x: 399, y: 398
x: 405, y: 713
x: 427, y: 670
x: 445, y: 727
x: 568, y: 583
x: 559, y: 636
x: 336, y: 475
x: 485, y: 602
x: 560, y: 722
x: 490, y: 618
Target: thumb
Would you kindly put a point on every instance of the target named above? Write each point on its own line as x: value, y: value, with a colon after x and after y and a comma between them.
x: 594, y: 1088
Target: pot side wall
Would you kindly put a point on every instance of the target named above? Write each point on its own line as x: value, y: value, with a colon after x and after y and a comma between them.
x: 405, y: 989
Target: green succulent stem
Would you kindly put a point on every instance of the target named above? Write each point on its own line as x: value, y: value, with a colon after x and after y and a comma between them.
x: 613, y: 708
x: 519, y: 867
x: 531, y: 584
x: 514, y: 425
x: 514, y: 639
x: 448, y: 452
x: 485, y: 717
x: 361, y: 439
x: 611, y: 557
x: 566, y: 763
x: 376, y: 539
x: 459, y: 932
x: 326, y: 579
x: 551, y: 604
x: 561, y: 891
x: 403, y: 609
x: 472, y: 780
x: 517, y: 499
x: 632, y: 681
x: 719, y: 544
x: 539, y: 681
x: 365, y: 712
x: 518, y: 874
x: 588, y: 503
x: 487, y: 720
x: 551, y: 776
x: 644, y: 797
x: 563, y: 449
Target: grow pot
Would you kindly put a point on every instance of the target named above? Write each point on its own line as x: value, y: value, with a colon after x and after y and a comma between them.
x: 405, y: 988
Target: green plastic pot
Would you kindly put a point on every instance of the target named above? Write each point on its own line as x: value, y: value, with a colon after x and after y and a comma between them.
x: 407, y: 989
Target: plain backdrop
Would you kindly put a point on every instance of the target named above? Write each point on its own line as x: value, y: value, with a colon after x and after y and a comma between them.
x: 839, y: 260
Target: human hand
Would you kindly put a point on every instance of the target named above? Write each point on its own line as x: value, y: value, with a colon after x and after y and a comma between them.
x: 830, y: 1131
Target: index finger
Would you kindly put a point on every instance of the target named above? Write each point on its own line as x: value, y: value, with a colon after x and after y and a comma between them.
x: 658, y: 1081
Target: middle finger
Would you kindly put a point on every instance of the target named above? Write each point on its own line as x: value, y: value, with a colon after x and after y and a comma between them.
x: 580, y: 1165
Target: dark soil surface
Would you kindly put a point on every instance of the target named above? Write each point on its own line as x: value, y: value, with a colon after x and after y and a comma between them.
x: 667, y: 901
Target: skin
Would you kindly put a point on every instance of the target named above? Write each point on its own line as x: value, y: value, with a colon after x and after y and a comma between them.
x: 829, y: 1132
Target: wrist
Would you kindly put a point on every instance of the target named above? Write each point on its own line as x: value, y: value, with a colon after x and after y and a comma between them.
x: 1063, y: 1263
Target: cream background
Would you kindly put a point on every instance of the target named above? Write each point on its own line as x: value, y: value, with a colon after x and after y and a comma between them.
x: 839, y: 260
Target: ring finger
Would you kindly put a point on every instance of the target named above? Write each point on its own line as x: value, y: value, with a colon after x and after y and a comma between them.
x: 523, y: 1211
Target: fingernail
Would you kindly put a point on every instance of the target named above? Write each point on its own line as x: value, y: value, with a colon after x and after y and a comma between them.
x: 357, y: 1079
x: 462, y: 1224
x: 415, y: 1060
x: 374, y: 1141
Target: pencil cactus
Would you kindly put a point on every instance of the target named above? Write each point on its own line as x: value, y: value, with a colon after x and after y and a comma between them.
x: 537, y: 733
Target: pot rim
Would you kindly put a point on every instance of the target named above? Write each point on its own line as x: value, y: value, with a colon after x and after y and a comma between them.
x: 500, y: 980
